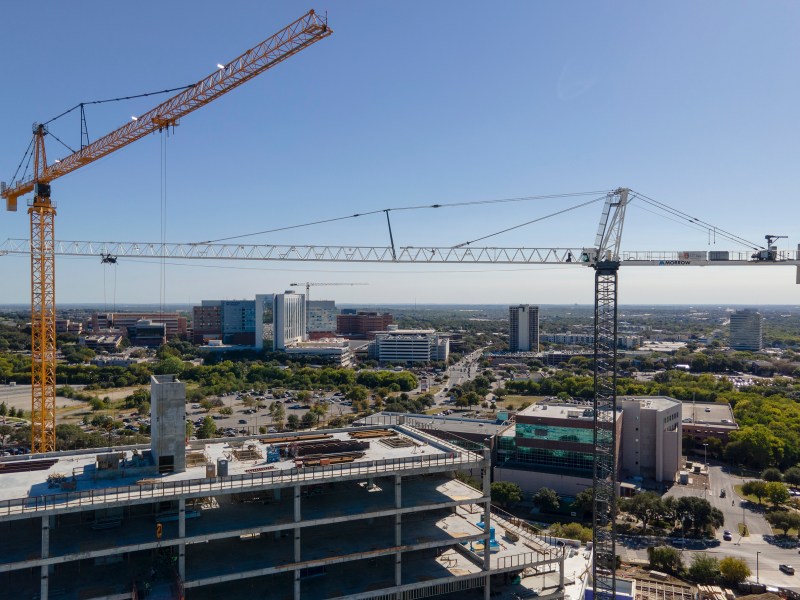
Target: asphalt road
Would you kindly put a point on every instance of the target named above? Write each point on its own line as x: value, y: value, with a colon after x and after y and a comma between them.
x: 761, y: 550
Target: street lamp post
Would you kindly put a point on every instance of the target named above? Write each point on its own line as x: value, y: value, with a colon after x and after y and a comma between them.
x: 757, y: 553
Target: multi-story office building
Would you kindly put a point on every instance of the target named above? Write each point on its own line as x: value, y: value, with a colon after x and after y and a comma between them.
x: 409, y: 346
x: 288, y: 319
x: 206, y: 323
x: 333, y: 352
x: 746, y: 330
x: 362, y: 324
x: 652, y: 437
x: 147, y: 333
x: 175, y: 322
x: 108, y: 342
x: 550, y: 445
x: 68, y: 326
x: 232, y: 321
x: 328, y: 515
x: 523, y: 331
x: 321, y: 317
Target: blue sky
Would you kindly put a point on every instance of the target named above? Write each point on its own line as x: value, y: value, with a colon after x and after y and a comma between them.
x: 696, y: 105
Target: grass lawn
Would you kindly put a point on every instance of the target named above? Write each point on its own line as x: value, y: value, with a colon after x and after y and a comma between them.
x: 512, y: 401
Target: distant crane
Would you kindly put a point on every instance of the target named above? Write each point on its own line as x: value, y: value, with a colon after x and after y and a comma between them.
x: 308, y: 285
x: 290, y: 40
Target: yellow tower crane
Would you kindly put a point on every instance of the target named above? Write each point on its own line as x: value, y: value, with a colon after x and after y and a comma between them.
x: 290, y: 40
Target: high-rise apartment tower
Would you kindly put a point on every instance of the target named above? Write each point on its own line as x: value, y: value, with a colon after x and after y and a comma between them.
x: 523, y: 328
x: 288, y: 319
x: 746, y: 330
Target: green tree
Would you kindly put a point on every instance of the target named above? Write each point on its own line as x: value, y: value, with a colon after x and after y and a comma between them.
x: 207, y: 430
x: 547, y: 500
x: 308, y: 420
x: 698, y: 513
x: 278, y: 413
x: 571, y: 531
x: 357, y: 393
x: 704, y: 568
x: 783, y: 520
x: 777, y: 493
x: 506, y: 493
x: 665, y: 559
x: 645, y: 507
x: 792, y: 476
x: 3, y: 409
x: 171, y: 365
x: 293, y: 422
x: 584, y: 501
x: 771, y: 474
x: 189, y: 429
x: 304, y: 397
x: 733, y: 570
x: 755, y: 488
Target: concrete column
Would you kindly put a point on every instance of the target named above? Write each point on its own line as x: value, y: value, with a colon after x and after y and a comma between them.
x: 182, y: 535
x: 398, y: 529
x: 487, y: 518
x: 561, y: 573
x: 45, y: 569
x: 297, y: 548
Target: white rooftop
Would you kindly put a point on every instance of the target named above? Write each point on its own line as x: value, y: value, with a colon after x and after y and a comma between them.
x: 31, y: 484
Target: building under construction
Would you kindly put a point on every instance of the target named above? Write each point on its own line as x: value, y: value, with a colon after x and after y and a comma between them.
x: 348, y: 513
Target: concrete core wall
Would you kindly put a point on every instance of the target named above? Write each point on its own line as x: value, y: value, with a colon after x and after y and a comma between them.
x: 168, y: 423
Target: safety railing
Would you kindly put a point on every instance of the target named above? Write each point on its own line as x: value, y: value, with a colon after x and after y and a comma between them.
x: 164, y: 488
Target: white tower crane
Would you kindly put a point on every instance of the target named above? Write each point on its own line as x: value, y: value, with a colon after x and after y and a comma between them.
x: 605, y: 258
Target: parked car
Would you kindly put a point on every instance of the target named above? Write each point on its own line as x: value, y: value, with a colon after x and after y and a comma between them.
x: 242, y: 422
x: 727, y: 536
x: 788, y: 569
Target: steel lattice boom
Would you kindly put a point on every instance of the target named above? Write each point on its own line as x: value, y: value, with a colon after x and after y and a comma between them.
x: 288, y: 41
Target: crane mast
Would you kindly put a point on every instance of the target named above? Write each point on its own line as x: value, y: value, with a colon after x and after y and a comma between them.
x: 290, y: 40
x: 604, y: 472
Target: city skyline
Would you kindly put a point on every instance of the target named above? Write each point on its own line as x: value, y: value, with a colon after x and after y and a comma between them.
x: 564, y: 101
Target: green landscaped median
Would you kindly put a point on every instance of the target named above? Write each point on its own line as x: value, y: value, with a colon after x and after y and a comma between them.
x: 750, y: 497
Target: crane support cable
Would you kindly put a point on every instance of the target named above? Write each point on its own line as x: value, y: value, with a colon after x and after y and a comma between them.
x: 402, y: 208
x: 119, y: 99
x: 290, y: 40
x: 24, y: 156
x: 507, y: 229
x: 694, y: 220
